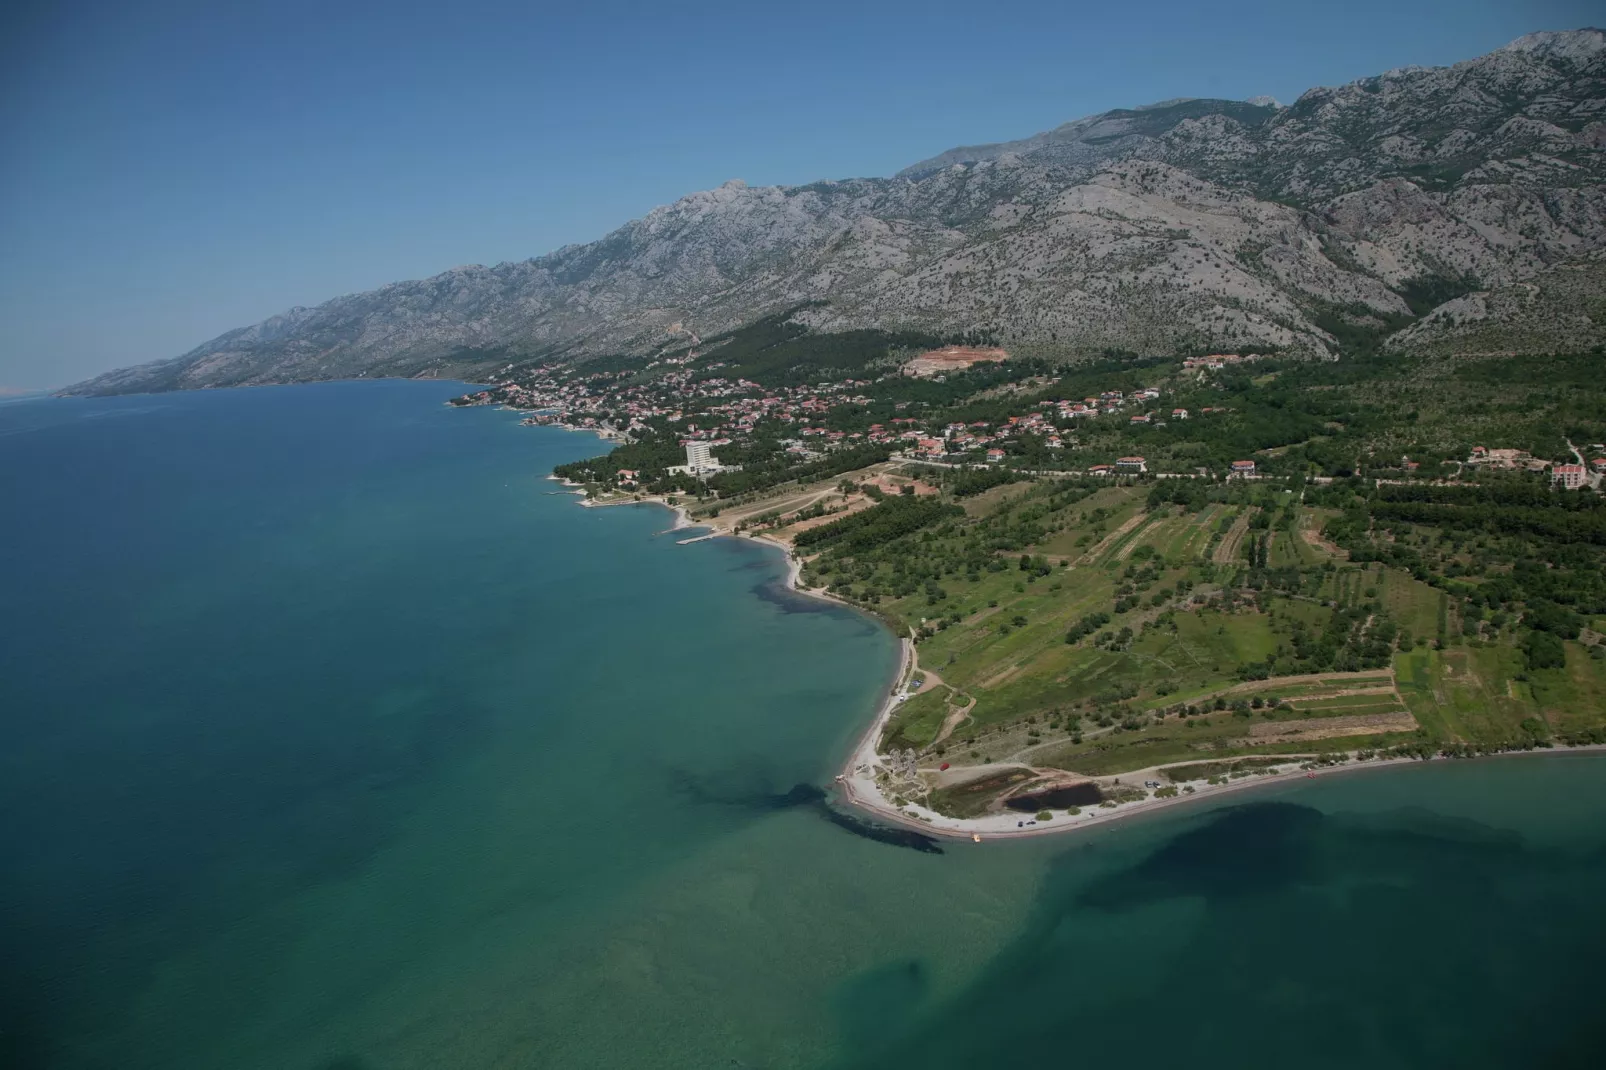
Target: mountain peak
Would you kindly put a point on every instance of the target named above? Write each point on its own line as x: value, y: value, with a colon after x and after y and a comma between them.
x: 1579, y: 46
x: 1180, y: 223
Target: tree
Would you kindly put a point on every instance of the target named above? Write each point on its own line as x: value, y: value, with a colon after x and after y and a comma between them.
x: 1544, y: 651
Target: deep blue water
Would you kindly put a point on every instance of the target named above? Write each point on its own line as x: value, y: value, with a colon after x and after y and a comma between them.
x: 334, y: 738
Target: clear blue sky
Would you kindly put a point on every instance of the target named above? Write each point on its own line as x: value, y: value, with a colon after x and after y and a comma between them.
x: 170, y: 170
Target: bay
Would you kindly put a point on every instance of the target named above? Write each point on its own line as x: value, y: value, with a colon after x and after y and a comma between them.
x: 336, y: 738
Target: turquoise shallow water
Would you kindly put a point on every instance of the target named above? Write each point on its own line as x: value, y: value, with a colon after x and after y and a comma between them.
x: 334, y: 739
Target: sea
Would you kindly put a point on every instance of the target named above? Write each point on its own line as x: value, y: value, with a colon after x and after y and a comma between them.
x: 335, y: 736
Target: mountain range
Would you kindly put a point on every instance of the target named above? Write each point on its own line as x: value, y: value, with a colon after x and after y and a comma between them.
x: 1423, y: 208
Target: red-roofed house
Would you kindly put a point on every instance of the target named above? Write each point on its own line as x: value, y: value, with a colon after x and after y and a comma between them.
x: 1570, y: 476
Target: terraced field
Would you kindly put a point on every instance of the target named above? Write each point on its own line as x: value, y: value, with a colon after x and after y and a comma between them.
x: 1107, y: 630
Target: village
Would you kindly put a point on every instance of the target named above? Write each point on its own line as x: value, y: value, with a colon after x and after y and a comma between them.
x: 704, y: 413
x: 1179, y: 572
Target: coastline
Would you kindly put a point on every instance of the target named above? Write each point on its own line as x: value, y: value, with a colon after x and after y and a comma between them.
x: 684, y: 520
x: 856, y: 781
x: 862, y: 792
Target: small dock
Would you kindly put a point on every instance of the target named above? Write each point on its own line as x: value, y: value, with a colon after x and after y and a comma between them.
x: 695, y: 538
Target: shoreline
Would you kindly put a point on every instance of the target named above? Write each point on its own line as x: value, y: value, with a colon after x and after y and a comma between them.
x: 855, y: 784
x: 997, y: 826
x: 684, y: 521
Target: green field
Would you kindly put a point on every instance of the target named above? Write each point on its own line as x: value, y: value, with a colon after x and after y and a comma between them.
x: 1101, y: 629
x: 916, y: 722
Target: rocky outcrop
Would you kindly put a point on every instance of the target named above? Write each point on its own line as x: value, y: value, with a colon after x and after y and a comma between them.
x: 1558, y: 310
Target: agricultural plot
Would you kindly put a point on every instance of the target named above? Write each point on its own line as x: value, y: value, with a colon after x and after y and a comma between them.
x: 1104, y: 549
x: 1342, y: 726
x: 1361, y: 701
x: 987, y: 642
x: 1092, y: 520
x: 916, y: 721
x: 1174, y: 535
x: 1571, y: 699
x: 1414, y: 604
x: 1465, y: 694
x: 1289, y: 549
x: 1153, y: 536
x: 1481, y: 692
x: 1230, y: 548
x: 1307, y: 691
x: 1216, y: 643
x: 1317, y: 549
x: 1192, y: 539
x: 989, y: 500
x: 1104, y: 629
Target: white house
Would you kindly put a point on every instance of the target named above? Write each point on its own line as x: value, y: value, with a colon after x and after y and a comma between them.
x: 1570, y: 476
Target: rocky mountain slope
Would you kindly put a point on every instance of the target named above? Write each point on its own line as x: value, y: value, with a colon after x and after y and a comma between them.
x: 1193, y: 223
x: 1560, y: 309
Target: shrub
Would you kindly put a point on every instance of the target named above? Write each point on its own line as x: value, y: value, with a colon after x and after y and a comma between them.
x: 1044, y: 815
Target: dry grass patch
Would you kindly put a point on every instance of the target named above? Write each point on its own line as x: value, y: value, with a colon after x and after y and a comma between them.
x: 1332, y: 727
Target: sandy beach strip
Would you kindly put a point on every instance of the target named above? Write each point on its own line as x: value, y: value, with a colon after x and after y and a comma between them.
x: 862, y: 792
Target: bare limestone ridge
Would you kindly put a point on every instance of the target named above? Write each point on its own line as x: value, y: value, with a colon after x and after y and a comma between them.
x: 1190, y: 223
x: 1560, y: 309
